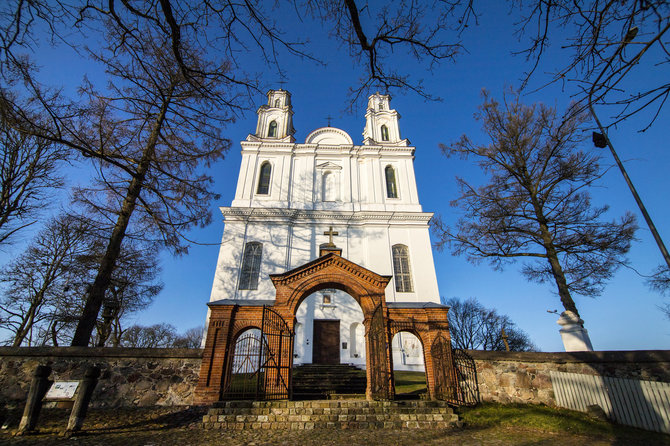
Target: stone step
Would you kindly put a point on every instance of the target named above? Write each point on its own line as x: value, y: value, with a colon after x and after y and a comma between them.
x: 326, y: 411
x: 331, y: 404
x: 316, y: 381
x: 343, y: 414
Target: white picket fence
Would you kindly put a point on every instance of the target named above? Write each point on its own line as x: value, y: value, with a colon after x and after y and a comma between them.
x: 643, y: 404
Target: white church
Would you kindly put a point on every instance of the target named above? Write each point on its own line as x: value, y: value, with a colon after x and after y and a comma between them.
x: 294, y: 198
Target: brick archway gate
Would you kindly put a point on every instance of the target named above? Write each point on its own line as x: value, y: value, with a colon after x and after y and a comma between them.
x: 229, y: 318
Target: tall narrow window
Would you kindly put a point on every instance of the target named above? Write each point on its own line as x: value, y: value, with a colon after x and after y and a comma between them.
x: 391, y: 188
x: 264, y: 179
x: 277, y: 103
x: 401, y: 271
x: 251, y: 266
x: 385, y: 133
x: 272, y: 130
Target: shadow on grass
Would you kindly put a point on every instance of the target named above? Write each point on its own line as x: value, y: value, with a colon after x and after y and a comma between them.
x: 547, y: 419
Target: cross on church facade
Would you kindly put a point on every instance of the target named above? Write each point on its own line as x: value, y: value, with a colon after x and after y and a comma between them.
x: 330, y: 234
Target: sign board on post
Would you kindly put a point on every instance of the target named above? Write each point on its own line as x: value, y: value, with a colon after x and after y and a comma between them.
x: 62, y: 390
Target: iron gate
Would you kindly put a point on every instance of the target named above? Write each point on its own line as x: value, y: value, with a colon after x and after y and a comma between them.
x: 455, y: 374
x: 245, y: 370
x: 381, y: 381
x: 277, y: 351
x: 466, y: 375
x: 260, y: 365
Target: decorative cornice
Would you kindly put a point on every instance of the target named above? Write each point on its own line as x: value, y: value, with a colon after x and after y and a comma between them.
x: 256, y: 144
x: 310, y: 268
x: 244, y: 213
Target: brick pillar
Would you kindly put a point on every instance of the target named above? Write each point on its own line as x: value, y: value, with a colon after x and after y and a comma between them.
x: 215, y: 356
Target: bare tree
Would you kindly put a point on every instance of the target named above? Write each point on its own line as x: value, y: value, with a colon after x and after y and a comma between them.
x: 28, y: 173
x: 170, y: 92
x: 38, y: 279
x: 377, y: 36
x: 153, y: 336
x: 536, y: 205
x: 192, y: 338
x: 133, y: 286
x: 607, y: 43
x: 472, y: 326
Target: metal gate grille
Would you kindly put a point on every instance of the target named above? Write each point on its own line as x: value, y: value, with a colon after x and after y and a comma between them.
x: 445, y: 376
x: 466, y: 375
x: 455, y: 374
x: 277, y: 352
x: 245, y: 371
x: 380, y: 378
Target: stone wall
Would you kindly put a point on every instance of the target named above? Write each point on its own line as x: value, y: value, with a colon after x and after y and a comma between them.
x: 523, y: 377
x: 146, y: 377
x: 130, y: 376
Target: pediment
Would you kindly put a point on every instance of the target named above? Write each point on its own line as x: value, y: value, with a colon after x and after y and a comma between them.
x: 328, y: 165
x: 329, y: 136
x: 333, y: 261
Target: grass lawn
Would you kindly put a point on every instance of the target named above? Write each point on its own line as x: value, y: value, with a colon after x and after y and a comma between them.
x: 547, y: 419
x: 409, y: 383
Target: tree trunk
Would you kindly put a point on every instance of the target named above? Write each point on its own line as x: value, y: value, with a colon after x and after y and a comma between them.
x: 552, y: 258
x: 97, y: 291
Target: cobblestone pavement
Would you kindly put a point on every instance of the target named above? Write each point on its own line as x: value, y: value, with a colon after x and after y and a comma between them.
x: 179, y: 426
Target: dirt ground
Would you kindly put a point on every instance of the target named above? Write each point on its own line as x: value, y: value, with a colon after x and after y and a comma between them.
x: 182, y: 426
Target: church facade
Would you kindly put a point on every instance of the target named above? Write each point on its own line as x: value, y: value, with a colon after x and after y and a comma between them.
x: 354, y: 208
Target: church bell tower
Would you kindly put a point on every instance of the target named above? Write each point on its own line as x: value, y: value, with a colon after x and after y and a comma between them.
x: 275, y: 119
x: 381, y: 123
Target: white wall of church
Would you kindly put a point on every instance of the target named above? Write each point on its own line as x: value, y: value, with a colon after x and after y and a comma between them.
x: 342, y: 307
x: 326, y: 181
x: 287, y: 245
x: 298, y: 170
x: 407, y: 352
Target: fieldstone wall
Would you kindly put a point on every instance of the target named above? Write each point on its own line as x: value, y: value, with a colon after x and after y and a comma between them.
x: 523, y: 377
x: 166, y: 377
x: 130, y: 376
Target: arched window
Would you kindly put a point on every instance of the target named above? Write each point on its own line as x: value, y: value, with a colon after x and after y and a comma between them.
x: 391, y: 188
x: 328, y: 187
x: 277, y: 103
x: 385, y: 133
x: 401, y: 271
x: 251, y: 266
x: 264, y: 179
x: 272, y: 130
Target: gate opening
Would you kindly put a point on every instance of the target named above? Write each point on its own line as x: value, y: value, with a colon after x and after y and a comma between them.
x: 409, y: 371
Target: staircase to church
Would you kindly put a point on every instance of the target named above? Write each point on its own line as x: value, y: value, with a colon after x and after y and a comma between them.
x: 338, y: 414
x: 316, y: 381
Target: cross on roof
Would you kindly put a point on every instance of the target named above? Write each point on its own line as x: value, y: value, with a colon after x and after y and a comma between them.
x: 281, y: 82
x: 329, y: 118
x: 330, y: 233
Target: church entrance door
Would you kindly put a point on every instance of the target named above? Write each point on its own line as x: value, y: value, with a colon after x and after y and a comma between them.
x: 326, y: 348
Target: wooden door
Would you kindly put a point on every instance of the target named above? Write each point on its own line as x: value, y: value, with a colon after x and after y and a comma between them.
x: 326, y: 348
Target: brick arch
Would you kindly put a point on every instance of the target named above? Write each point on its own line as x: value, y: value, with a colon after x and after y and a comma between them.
x: 427, y: 321
x: 329, y: 271
x: 240, y: 327
x: 367, y: 288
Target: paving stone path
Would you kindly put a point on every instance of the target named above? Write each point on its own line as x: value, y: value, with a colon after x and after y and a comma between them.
x: 179, y: 426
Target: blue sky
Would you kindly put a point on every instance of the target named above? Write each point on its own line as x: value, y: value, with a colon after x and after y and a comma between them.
x: 625, y: 317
